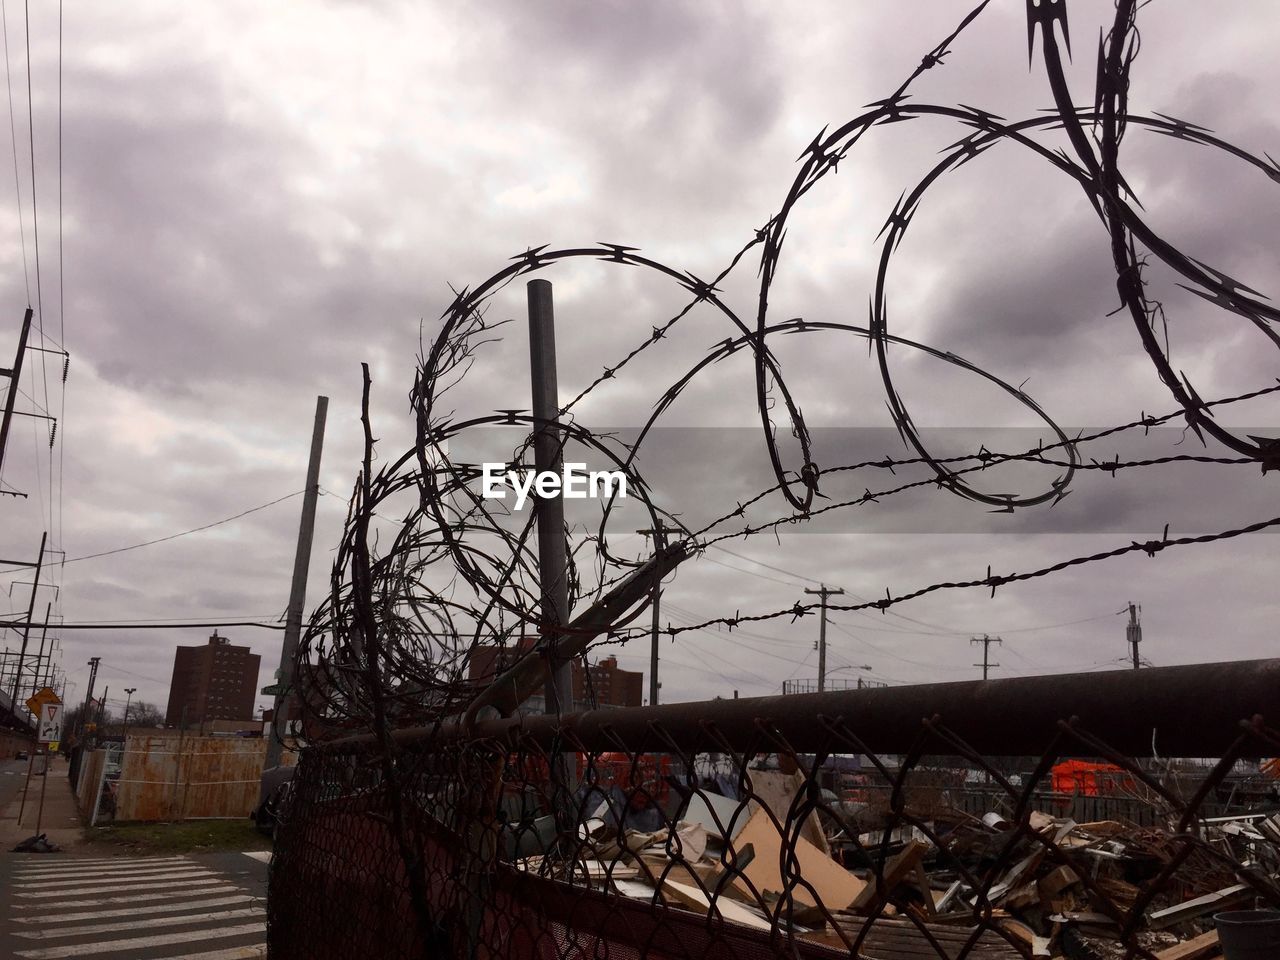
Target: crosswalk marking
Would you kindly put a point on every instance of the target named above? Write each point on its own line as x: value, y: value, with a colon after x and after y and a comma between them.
x: 150, y: 923
x: 263, y: 856
x: 46, y: 894
x: 89, y: 886
x: 53, y: 918
x: 202, y: 890
x: 95, y: 861
x: 131, y: 872
x: 258, y: 952
x: 174, y: 906
x: 141, y: 943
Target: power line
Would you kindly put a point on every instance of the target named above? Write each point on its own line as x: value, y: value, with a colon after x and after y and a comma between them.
x: 184, y: 533
x: 62, y: 300
x: 108, y: 668
x: 31, y: 140
x: 17, y: 624
x: 13, y: 137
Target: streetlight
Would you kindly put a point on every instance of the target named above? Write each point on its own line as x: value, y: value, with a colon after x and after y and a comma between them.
x: 853, y: 666
x: 129, y: 696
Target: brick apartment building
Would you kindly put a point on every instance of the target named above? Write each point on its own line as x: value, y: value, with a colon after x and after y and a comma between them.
x: 613, y: 686
x: 217, y: 681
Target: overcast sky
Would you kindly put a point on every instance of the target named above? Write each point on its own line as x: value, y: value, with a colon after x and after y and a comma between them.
x: 254, y: 199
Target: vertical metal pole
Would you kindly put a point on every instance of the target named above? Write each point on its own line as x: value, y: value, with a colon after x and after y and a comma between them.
x: 1133, y: 633
x: 35, y: 686
x: 822, y: 646
x: 12, y: 394
x: 44, y: 783
x: 177, y: 760
x: 548, y: 456
x: 88, y: 695
x: 31, y: 760
x: 659, y: 534
x: 26, y: 628
x: 128, y: 699
x: 297, y: 590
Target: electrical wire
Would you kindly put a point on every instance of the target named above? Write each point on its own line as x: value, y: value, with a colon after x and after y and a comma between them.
x: 108, y: 625
x: 13, y: 137
x: 184, y: 533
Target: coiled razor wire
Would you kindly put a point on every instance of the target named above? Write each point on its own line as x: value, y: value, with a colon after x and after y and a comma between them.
x: 392, y: 642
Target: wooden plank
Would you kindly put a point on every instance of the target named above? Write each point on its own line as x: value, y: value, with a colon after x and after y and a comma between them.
x: 1205, y: 945
x: 1199, y: 906
x: 902, y: 940
x: 731, y: 910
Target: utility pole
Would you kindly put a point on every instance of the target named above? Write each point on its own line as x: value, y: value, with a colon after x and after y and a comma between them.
x: 824, y: 593
x: 548, y: 456
x: 986, y: 642
x: 1133, y: 631
x: 659, y: 534
x: 102, y: 707
x: 14, y: 374
x: 297, y: 591
x: 129, y: 691
x: 26, y: 627
x: 88, y: 694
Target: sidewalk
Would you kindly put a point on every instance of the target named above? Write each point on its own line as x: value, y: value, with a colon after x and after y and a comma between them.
x: 60, y: 820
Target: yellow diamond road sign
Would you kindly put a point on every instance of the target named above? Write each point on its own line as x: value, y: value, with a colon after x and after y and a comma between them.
x: 46, y: 695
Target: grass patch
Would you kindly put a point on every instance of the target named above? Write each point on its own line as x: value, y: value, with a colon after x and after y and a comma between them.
x: 190, y: 836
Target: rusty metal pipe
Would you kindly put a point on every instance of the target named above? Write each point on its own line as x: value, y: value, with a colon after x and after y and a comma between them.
x: 1183, y: 711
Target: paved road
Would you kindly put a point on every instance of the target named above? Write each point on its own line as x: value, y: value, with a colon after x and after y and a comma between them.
x: 13, y: 774
x: 194, y: 907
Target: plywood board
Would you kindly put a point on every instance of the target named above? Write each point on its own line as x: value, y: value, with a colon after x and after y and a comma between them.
x: 777, y: 790
x: 835, y: 886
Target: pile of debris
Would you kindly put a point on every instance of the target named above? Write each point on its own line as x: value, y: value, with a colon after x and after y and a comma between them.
x: 1048, y: 887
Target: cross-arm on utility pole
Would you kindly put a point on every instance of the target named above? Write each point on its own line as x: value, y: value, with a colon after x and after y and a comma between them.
x: 823, y: 592
x: 986, y: 642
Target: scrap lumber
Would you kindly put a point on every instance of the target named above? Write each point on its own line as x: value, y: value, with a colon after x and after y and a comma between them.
x: 903, y: 938
x: 1057, y: 880
x: 1205, y: 945
x: 1038, y: 945
x: 693, y: 898
x: 1209, y: 903
x: 899, y: 867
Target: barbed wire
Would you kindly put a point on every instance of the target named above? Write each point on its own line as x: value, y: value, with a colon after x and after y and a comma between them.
x: 394, y: 641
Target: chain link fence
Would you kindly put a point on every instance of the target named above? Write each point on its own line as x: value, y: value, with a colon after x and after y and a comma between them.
x: 822, y: 825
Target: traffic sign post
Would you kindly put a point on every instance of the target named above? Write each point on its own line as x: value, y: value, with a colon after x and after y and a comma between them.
x: 37, y: 703
x: 50, y: 723
x: 50, y: 731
